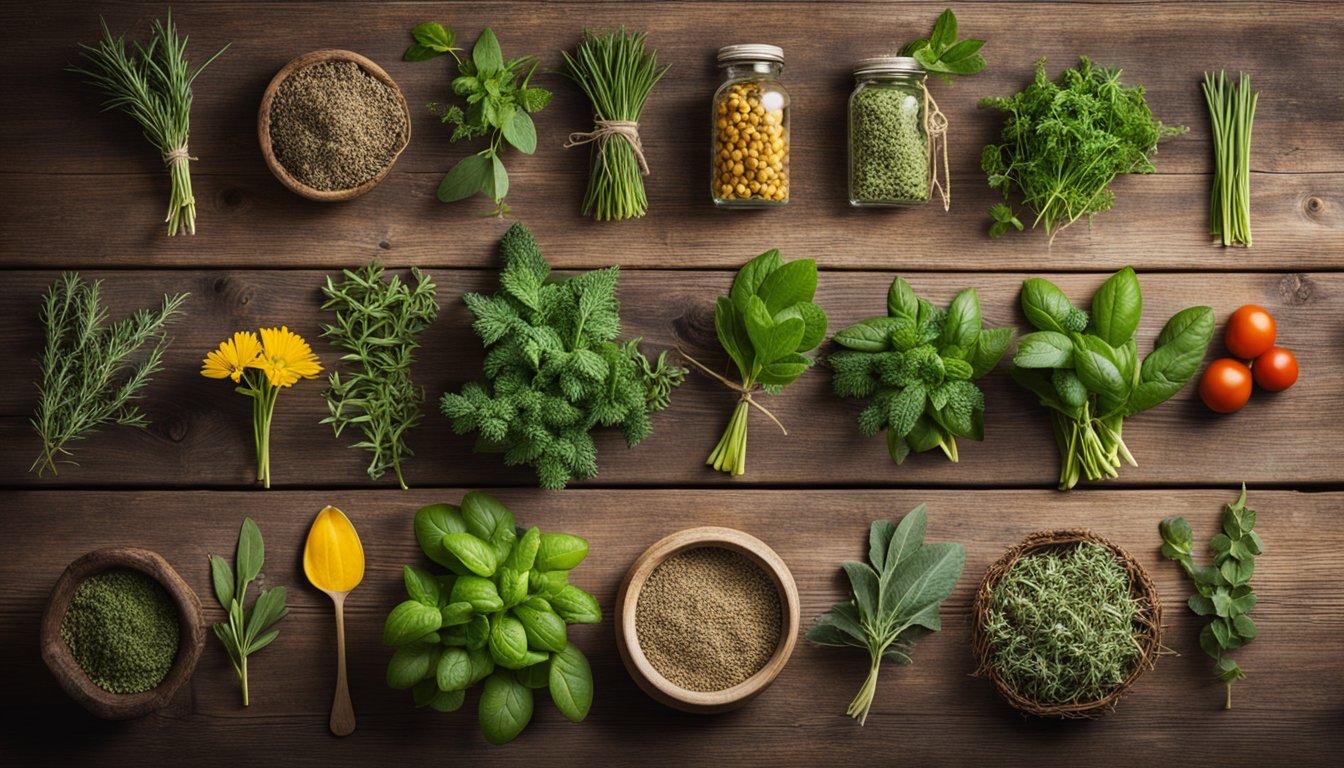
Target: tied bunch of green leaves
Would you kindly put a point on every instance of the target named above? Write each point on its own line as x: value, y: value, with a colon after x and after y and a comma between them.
x: 897, y: 597
x: 379, y: 323
x: 942, y: 53
x: 248, y: 630
x: 919, y: 365
x: 87, y: 377
x: 1085, y: 368
x: 1223, y: 590
x: 765, y: 324
x: 1065, y: 142
x: 1231, y: 113
x: 617, y: 73
x: 152, y: 84
x: 553, y: 370
x: 498, y: 616
x: 500, y: 103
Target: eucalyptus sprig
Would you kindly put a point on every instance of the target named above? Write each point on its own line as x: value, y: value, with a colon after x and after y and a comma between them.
x: 379, y: 322
x: 88, y: 378
x: 247, y: 630
x: 152, y: 84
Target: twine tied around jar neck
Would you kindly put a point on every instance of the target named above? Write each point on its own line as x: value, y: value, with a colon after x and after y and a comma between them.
x: 603, y: 132
x: 179, y: 155
x: 935, y: 125
x: 744, y: 392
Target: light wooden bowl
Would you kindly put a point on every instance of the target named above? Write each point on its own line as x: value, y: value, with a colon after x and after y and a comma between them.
x: 191, y: 634
x: 627, y: 638
x: 264, y: 124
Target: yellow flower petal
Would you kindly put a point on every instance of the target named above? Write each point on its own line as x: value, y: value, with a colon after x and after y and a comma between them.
x: 286, y: 357
x: 232, y: 357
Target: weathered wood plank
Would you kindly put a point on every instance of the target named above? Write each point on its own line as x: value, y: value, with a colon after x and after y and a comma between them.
x: 100, y: 168
x: 929, y: 713
x: 200, y: 432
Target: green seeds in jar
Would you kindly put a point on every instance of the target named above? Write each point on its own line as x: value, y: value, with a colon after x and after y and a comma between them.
x: 122, y: 629
x: 888, y: 143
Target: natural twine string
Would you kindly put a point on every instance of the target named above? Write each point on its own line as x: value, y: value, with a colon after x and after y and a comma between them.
x: 605, y: 130
x: 738, y: 388
x: 935, y: 125
x: 179, y: 155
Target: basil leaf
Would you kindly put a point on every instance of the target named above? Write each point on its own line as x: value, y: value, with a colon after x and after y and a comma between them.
x: 547, y: 583
x: 524, y: 553
x: 901, y: 301
x: 1180, y: 347
x: 571, y: 683
x: 410, y: 621
x: 433, y: 35
x: 545, y: 629
x: 1116, y: 307
x: 814, y: 324
x: 482, y: 664
x: 521, y: 132
x: 472, y: 174
x: 871, y: 335
x: 751, y: 276
x: 478, y: 634
x: 962, y: 50
x: 1044, y: 349
x: 944, y: 31
x: 453, y: 672
x: 536, y: 676
x: 418, y: 52
x: 789, y: 284
x: 411, y: 664
x: 1096, y: 370
x: 576, y: 606
x: 486, y: 54
x: 962, y: 327
x: 485, y: 517
x: 990, y: 347
x: 454, y: 614
x: 505, y: 708
x: 434, y: 522
x: 480, y: 593
x: 1045, y: 306
x: 732, y: 333
x: 448, y: 701
x: 421, y: 585
x: 771, y: 340
x: 560, y: 552
x: 475, y: 554
x: 222, y: 577
x: 508, y: 641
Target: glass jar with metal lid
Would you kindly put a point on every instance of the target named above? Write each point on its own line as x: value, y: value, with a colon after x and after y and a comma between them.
x: 750, y: 163
x: 889, y: 159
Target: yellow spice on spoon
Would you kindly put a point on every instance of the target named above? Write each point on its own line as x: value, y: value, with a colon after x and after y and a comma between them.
x: 333, y: 558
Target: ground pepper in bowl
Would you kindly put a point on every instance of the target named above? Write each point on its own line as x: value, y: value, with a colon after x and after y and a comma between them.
x: 334, y: 126
x: 122, y: 629
x: 708, y: 618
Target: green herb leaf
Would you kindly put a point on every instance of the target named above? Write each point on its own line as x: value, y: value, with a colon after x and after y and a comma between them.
x: 433, y: 35
x: 472, y: 174
x: 1116, y: 307
x: 505, y: 708
x: 571, y: 683
x: 432, y: 523
x: 481, y: 593
x: 418, y: 52
x: 411, y: 664
x: 410, y: 621
x: 521, y: 132
x: 545, y: 629
x: 576, y: 606
x: 560, y: 552
x: 475, y: 554
x: 508, y: 641
x: 486, y: 54
x: 222, y: 577
x: 421, y: 585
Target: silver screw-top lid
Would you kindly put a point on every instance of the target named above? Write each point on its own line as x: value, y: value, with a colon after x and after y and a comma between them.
x: 731, y: 54
x: 887, y: 65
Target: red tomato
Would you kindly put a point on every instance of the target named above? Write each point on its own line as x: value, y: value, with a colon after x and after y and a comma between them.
x: 1226, y: 385
x: 1275, y: 370
x: 1250, y: 332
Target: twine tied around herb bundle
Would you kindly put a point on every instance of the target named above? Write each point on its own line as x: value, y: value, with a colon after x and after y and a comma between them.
x: 935, y: 125
x: 179, y: 155
x: 603, y: 132
x: 744, y: 392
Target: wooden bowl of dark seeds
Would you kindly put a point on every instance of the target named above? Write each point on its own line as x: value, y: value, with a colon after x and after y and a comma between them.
x: 706, y: 619
x: 332, y: 124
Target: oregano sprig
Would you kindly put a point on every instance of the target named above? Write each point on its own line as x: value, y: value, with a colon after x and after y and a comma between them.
x: 247, y: 630
x: 1223, y: 590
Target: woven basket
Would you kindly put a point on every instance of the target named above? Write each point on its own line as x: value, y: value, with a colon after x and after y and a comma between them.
x: 1147, y: 624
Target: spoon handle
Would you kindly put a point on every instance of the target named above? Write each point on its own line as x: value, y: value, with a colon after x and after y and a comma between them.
x: 342, y: 711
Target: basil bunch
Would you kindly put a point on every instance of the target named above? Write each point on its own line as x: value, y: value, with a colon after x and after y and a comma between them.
x: 918, y: 365
x: 498, y: 617
x: 1085, y: 368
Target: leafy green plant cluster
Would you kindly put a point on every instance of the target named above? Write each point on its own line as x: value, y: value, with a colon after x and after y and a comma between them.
x: 498, y: 616
x: 1085, y: 368
x: 765, y: 324
x: 896, y: 601
x: 1065, y: 142
x: 248, y: 630
x: 918, y: 365
x: 1223, y: 590
x: 378, y: 323
x: 500, y: 103
x: 942, y: 53
x: 87, y: 375
x: 553, y: 370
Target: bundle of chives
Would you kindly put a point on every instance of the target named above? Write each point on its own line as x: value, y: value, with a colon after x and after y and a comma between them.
x: 1231, y: 111
x: 617, y: 74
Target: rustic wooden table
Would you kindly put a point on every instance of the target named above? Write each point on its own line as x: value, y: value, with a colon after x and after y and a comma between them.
x: 83, y: 191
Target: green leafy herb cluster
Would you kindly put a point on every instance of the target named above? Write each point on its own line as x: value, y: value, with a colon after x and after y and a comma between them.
x: 500, y: 103
x: 765, y: 325
x: 918, y: 365
x: 553, y: 370
x: 1085, y: 368
x: 1223, y: 590
x: 87, y: 378
x: 942, y: 53
x: 1065, y: 142
x: 498, y: 617
x: 248, y: 630
x: 379, y: 323
x: 1060, y: 625
x: 896, y: 599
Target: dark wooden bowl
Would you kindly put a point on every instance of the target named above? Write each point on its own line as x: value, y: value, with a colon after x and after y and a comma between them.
x: 264, y: 125
x: 191, y: 637
x: 627, y: 638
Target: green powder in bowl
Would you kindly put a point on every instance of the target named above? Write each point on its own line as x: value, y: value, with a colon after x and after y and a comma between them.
x: 708, y: 618
x: 122, y: 629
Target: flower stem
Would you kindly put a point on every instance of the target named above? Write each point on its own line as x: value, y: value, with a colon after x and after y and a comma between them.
x: 242, y: 675
x: 263, y: 409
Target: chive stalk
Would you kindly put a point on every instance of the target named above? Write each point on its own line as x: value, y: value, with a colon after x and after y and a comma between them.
x: 1231, y: 113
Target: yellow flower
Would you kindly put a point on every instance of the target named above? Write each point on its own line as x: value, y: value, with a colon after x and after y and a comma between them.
x: 232, y: 357
x: 286, y: 357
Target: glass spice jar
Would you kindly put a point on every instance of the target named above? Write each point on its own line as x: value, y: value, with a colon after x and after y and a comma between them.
x: 889, y: 161
x: 750, y: 163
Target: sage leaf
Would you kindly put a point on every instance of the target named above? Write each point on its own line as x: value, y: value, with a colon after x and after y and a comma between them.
x: 222, y: 577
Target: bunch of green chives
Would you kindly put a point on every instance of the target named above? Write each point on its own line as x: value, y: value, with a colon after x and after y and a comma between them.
x: 617, y: 74
x: 1231, y: 111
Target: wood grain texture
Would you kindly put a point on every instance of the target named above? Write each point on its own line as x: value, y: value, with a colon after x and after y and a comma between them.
x: 1287, y: 710
x: 69, y: 171
x: 200, y: 435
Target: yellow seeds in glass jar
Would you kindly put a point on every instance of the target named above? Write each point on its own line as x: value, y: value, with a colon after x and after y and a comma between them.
x: 750, y: 145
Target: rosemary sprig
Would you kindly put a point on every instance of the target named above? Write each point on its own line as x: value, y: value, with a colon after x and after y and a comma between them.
x: 152, y: 84
x: 379, y: 322
x: 87, y: 378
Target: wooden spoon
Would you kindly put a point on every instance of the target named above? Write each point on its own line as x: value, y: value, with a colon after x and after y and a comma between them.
x: 333, y: 560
